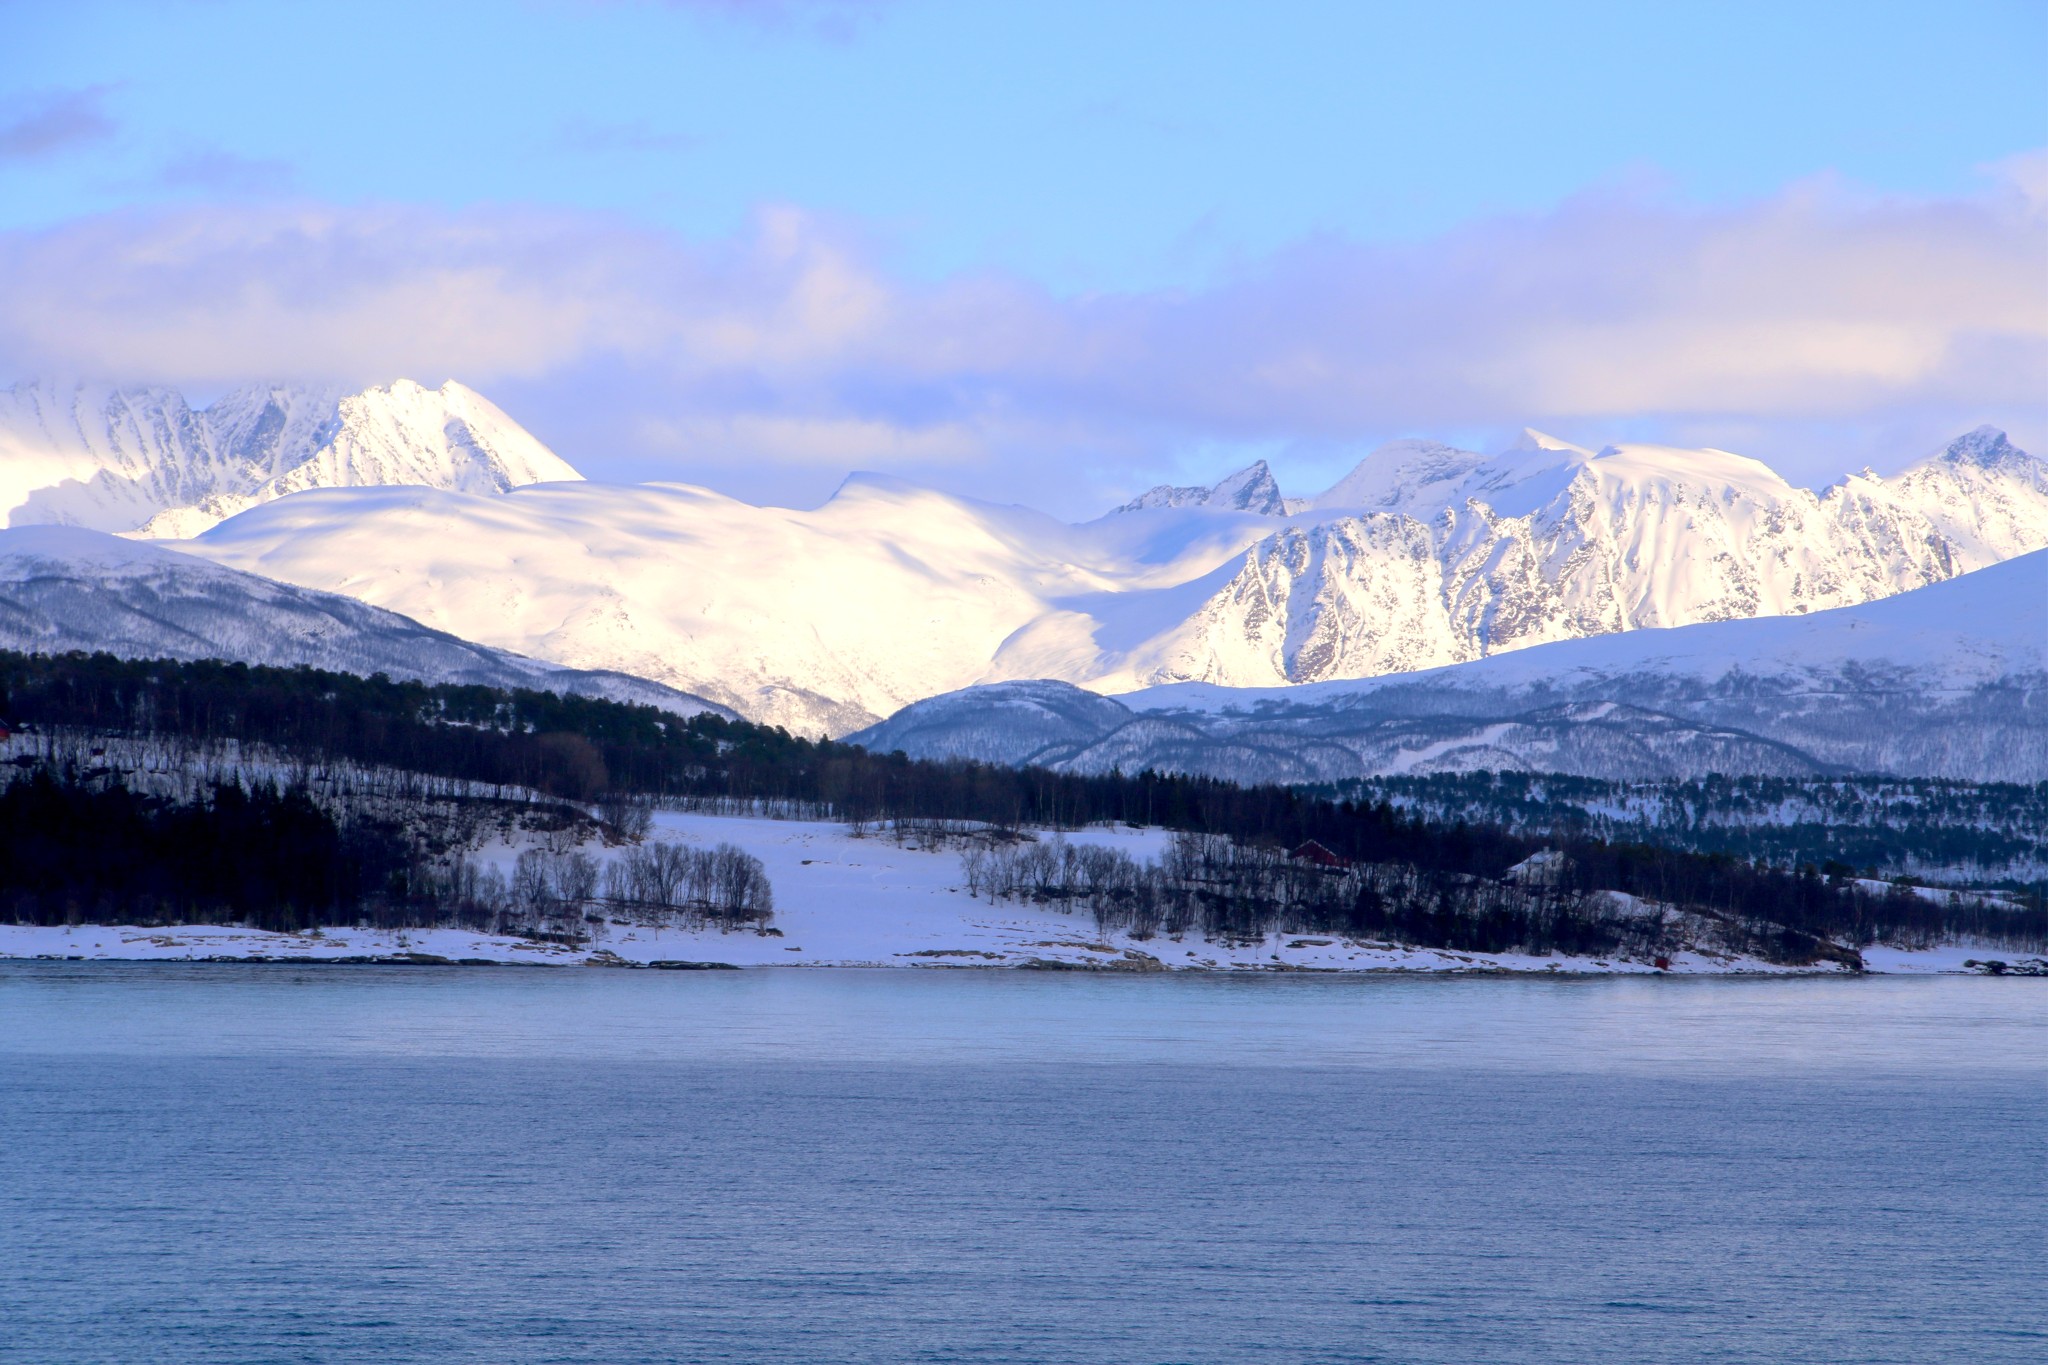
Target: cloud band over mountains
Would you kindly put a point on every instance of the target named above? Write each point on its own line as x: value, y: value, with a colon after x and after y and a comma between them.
x: 794, y: 343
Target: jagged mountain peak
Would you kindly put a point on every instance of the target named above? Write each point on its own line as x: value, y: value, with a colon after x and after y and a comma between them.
x: 453, y: 436
x: 270, y: 425
x: 1987, y: 447
x: 1251, y: 489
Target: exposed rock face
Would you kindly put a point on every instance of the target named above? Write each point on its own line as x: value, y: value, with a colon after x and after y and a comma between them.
x: 1252, y: 489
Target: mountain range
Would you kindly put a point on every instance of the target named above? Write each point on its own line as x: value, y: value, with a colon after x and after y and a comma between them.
x: 1949, y: 680
x: 435, y: 505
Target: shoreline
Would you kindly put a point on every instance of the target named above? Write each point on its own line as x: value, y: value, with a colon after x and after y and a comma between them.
x: 659, y: 950
x: 844, y: 900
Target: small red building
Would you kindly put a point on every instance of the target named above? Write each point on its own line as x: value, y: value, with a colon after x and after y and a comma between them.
x: 1313, y: 852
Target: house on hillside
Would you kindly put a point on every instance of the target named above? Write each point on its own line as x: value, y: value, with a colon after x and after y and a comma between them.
x: 1313, y: 852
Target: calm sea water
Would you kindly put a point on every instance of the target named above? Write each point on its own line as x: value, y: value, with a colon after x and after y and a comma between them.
x: 247, y: 1163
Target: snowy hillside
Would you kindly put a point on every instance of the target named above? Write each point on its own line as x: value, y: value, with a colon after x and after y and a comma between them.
x: 817, y: 620
x: 1948, y: 680
x: 829, y: 618
x: 65, y: 588
x: 141, y: 459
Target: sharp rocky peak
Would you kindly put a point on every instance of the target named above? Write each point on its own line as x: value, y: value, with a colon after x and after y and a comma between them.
x: 1251, y: 489
x: 1987, y: 446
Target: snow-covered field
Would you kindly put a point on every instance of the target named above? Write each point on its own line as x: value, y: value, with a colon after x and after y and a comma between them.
x: 846, y: 901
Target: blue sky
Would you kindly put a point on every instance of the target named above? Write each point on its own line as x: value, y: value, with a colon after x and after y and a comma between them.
x: 835, y: 184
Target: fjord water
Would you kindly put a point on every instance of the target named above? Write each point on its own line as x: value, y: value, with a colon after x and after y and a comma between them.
x: 271, y: 1163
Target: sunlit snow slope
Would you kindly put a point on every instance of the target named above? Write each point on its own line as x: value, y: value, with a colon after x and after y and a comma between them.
x: 819, y: 620
x: 141, y: 459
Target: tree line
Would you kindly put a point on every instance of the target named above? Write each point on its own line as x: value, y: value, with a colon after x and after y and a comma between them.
x: 1241, y: 893
x: 77, y: 849
x: 589, y: 749
x: 1986, y: 834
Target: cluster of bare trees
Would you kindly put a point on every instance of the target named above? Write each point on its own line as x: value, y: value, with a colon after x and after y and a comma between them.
x: 724, y: 885
x: 564, y: 892
x: 1227, y: 891
x: 1205, y: 883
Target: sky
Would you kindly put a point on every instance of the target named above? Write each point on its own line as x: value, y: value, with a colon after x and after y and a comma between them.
x: 1048, y: 252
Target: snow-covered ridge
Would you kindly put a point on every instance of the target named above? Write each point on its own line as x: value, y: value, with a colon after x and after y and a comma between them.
x: 1426, y: 555
x: 65, y: 588
x: 142, y: 460
x: 1945, y: 681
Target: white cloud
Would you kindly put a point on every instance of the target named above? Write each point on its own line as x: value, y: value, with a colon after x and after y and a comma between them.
x: 837, y: 444
x: 790, y: 346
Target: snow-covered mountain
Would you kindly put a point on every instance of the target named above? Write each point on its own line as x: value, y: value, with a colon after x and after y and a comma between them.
x: 1949, y: 680
x: 1252, y: 489
x: 830, y: 618
x: 817, y: 620
x: 1426, y: 555
x: 142, y: 459
x: 65, y: 588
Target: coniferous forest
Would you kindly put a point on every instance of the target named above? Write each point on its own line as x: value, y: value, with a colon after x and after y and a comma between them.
x: 274, y: 857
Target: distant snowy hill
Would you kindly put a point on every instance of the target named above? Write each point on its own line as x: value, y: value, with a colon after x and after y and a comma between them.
x: 65, y: 588
x: 830, y: 618
x: 141, y: 459
x: 1949, y: 680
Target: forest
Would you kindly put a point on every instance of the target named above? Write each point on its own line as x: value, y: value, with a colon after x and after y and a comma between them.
x: 1236, y: 892
x: 1940, y: 831
x: 615, y: 754
x: 78, y: 849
